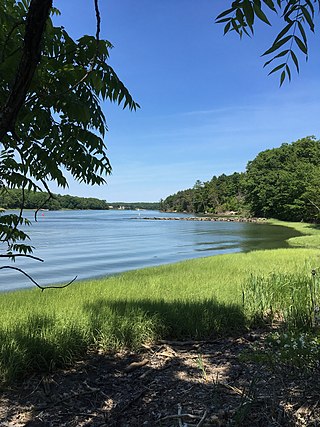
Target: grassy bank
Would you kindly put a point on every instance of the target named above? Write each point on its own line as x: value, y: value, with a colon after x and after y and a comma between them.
x: 202, y: 298
x: 310, y: 234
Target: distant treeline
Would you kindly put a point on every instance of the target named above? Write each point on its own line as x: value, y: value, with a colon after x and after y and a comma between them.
x: 279, y: 183
x: 136, y: 205
x: 12, y: 198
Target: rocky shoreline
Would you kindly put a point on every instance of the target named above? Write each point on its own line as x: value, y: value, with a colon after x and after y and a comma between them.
x: 205, y: 218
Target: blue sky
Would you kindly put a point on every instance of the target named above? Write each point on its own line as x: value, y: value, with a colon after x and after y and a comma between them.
x: 207, y: 105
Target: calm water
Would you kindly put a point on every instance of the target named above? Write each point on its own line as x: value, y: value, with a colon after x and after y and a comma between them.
x: 99, y: 243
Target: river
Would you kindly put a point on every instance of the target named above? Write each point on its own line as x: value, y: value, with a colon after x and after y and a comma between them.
x: 100, y: 243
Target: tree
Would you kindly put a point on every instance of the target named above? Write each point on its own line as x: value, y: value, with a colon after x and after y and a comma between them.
x: 283, y: 182
x: 51, y: 121
x: 297, y: 18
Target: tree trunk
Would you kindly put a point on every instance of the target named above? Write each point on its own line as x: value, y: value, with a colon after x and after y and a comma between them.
x: 37, y: 16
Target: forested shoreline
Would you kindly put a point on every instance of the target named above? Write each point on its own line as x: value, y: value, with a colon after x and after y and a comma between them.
x: 280, y: 183
x: 12, y: 199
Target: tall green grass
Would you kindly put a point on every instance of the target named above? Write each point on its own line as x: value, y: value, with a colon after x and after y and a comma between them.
x: 291, y: 299
x: 196, y: 299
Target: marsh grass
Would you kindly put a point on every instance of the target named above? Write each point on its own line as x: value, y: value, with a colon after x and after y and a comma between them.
x: 195, y: 299
x: 288, y: 298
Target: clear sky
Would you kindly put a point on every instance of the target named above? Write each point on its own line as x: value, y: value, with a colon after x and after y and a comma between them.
x: 207, y: 105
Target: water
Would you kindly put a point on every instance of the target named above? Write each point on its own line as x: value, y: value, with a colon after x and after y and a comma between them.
x: 100, y: 243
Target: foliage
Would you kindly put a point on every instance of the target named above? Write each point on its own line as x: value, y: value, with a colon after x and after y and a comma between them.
x: 12, y: 199
x: 220, y: 194
x: 295, y: 349
x: 297, y: 18
x: 59, y: 126
x: 283, y: 182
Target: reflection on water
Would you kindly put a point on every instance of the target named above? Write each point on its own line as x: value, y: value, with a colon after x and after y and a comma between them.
x: 99, y: 243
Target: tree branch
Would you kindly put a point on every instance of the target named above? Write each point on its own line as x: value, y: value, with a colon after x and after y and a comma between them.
x: 21, y: 255
x: 34, y: 282
x: 92, y: 61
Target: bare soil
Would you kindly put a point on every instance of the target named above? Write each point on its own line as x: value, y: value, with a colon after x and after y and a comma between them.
x: 168, y: 384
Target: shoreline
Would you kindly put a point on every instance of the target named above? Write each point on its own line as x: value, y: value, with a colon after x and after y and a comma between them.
x: 205, y: 218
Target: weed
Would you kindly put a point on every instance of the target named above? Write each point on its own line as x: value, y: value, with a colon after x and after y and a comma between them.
x: 202, y: 368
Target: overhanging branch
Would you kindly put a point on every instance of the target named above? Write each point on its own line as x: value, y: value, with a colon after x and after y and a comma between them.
x: 36, y: 283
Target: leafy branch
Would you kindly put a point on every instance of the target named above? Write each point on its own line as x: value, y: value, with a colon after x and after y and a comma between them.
x: 298, y: 17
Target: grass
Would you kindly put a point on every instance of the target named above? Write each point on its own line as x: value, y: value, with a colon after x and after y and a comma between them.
x: 201, y: 298
x: 310, y: 237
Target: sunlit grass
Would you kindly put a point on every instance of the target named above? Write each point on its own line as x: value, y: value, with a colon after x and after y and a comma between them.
x: 310, y: 237
x: 196, y: 299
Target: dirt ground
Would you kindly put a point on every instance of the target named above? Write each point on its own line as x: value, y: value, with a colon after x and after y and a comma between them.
x: 168, y: 384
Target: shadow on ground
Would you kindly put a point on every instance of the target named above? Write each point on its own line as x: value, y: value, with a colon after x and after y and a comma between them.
x: 197, y: 382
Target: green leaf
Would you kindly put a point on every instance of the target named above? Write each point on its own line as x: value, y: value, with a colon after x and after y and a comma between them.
x: 270, y: 4
x: 260, y: 14
x: 288, y: 72
x: 282, y: 77
x: 303, y: 33
x: 277, y: 45
x: 248, y: 12
x: 295, y: 60
x: 283, y: 53
x: 306, y: 14
x: 221, y: 21
x: 227, y: 28
x: 277, y: 68
x: 301, y: 45
x: 283, y: 32
x: 310, y: 5
x: 225, y: 13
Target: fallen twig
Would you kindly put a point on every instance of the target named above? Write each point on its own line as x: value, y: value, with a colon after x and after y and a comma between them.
x: 172, y: 417
x: 179, y: 413
x: 135, y: 365
x: 185, y: 343
x: 204, y: 416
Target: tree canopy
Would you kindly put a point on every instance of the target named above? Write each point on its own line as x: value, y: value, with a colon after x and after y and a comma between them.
x: 220, y: 194
x: 283, y: 182
x: 51, y: 120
